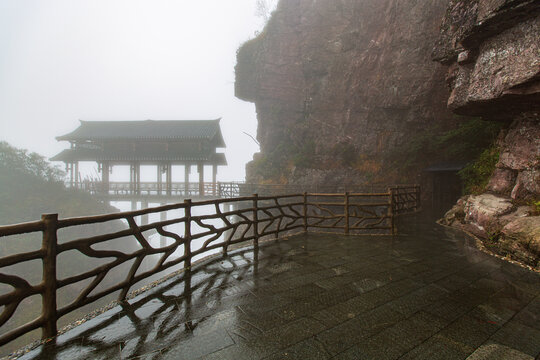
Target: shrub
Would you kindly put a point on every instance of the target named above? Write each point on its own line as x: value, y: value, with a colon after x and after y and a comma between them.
x: 476, y: 174
x: 464, y: 143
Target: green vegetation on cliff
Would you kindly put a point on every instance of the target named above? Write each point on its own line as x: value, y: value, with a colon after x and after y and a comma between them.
x: 477, y: 173
x: 467, y: 141
x: 276, y: 165
x: 472, y: 141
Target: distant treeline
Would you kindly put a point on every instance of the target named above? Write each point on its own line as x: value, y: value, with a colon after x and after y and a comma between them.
x: 31, y: 186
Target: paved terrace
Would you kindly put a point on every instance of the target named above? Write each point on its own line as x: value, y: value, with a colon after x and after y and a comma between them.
x: 426, y: 295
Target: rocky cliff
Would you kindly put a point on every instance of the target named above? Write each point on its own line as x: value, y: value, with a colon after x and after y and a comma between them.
x: 347, y: 91
x: 338, y: 85
x: 492, y: 50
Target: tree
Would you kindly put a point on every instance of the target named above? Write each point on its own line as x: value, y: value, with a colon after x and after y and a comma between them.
x: 33, y: 164
x: 264, y: 8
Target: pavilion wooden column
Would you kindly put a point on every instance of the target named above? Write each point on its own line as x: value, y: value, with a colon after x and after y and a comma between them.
x: 69, y: 168
x: 135, y: 178
x: 159, y: 177
x: 105, y: 177
x: 132, y: 179
x: 138, y: 178
x: 77, y: 174
x: 200, y: 169
x: 214, y: 179
x: 187, y: 168
x: 168, y: 178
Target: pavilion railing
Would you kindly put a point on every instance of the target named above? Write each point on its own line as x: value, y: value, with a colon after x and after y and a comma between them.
x: 189, y: 232
x: 218, y: 189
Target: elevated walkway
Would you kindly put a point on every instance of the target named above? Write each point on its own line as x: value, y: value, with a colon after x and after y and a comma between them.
x: 425, y: 294
x: 217, y: 190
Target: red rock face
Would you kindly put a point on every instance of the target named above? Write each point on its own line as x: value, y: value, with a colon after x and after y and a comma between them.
x: 502, y: 181
x: 351, y: 72
x: 492, y: 48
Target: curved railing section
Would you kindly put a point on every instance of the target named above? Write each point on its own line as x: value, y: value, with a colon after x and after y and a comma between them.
x: 145, y: 243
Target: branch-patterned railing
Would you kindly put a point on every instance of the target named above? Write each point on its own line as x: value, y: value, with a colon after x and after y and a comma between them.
x: 194, y: 230
x: 406, y: 198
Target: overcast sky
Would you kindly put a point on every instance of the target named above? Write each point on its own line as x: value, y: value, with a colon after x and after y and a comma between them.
x: 64, y: 60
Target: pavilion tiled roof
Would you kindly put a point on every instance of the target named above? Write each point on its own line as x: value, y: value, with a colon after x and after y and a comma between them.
x: 147, y: 130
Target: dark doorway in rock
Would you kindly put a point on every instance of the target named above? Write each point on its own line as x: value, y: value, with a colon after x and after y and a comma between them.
x: 446, y: 184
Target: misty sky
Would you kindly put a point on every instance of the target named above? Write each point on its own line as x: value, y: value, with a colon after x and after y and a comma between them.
x: 64, y: 60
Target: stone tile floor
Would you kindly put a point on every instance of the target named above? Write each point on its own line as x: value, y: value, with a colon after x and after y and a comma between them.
x: 425, y: 294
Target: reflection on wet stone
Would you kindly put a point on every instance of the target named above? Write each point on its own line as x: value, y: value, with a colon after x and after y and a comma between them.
x: 419, y: 296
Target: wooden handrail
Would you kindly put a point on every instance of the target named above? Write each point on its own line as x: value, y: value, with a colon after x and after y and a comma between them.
x: 253, y: 218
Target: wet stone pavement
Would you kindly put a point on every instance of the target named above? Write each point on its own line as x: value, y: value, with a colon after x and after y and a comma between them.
x: 425, y: 295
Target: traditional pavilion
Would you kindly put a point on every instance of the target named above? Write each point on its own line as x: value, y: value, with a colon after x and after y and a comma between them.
x: 149, y: 142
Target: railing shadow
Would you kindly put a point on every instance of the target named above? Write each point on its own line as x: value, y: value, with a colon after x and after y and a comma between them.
x: 155, y: 320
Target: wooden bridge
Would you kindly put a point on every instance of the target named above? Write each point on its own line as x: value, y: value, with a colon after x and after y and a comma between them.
x: 156, y: 191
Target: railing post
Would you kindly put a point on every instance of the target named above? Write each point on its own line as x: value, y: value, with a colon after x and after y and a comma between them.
x: 187, y: 233
x: 346, y: 213
x: 305, y: 212
x: 49, y: 244
x: 418, y: 197
x: 255, y: 221
x: 391, y: 211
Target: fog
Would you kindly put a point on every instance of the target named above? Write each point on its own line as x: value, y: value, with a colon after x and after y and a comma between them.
x: 65, y: 60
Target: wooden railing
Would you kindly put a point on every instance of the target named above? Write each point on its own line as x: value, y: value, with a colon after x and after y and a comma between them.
x: 233, y: 189
x: 218, y: 189
x: 406, y: 198
x: 195, y: 230
x: 148, y: 188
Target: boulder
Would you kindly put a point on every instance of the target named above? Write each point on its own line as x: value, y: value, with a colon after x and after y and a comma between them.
x: 527, y: 185
x: 521, y: 212
x: 502, y: 181
x: 484, y: 210
x: 521, y: 146
x: 456, y: 214
x: 525, y: 231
